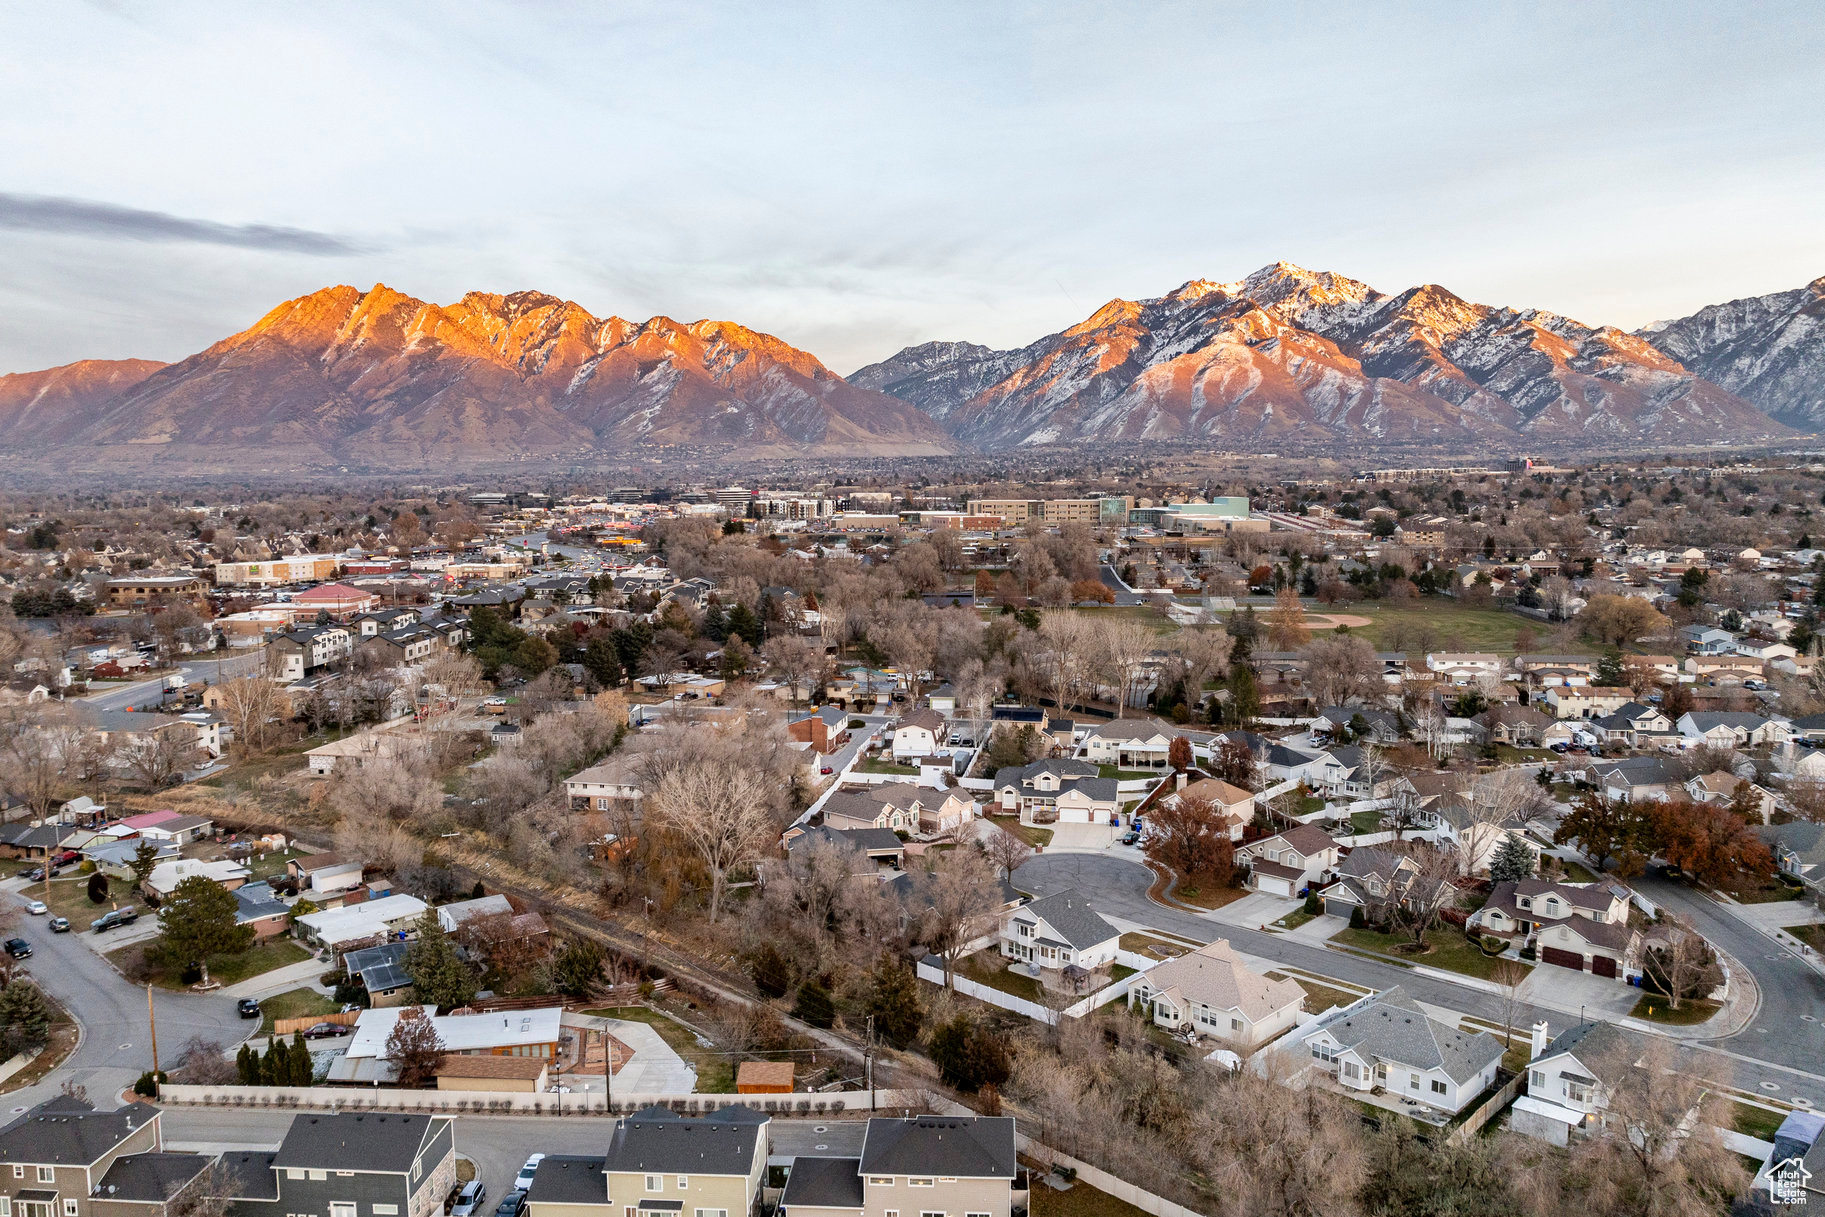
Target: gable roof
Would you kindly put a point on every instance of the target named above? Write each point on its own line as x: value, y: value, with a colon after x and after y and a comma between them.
x: 63, y: 1135
x: 1589, y: 1042
x: 153, y: 1178
x: 1069, y: 913
x: 1307, y: 839
x: 1392, y: 1027
x: 964, y: 1147
x: 568, y: 1179
x: 823, y: 1183
x: 378, y: 1141
x: 721, y: 1143
x: 1215, y: 976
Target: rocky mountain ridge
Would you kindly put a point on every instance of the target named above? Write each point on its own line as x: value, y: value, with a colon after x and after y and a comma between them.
x: 1768, y: 349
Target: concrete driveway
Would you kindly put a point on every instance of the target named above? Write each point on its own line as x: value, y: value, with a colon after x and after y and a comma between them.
x: 1083, y: 838
x: 1256, y: 909
x: 1598, y: 996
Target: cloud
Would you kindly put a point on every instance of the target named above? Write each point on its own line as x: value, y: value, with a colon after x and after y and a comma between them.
x: 107, y: 221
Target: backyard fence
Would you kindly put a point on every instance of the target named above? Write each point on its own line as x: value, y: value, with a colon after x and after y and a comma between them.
x: 488, y: 1102
x: 285, y: 1026
x: 1487, y: 1110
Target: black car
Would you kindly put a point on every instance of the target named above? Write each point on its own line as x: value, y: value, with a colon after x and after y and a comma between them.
x: 118, y: 917
x: 36, y: 874
x: 248, y: 1008
x: 327, y: 1031
x: 18, y: 948
x: 511, y: 1206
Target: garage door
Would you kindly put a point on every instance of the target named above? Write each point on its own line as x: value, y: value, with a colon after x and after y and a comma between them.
x: 1564, y: 959
x: 1073, y: 815
x: 1603, y: 965
x: 1273, y: 885
x: 1339, y: 908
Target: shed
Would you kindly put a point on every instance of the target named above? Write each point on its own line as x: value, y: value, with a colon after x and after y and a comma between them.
x: 764, y: 1077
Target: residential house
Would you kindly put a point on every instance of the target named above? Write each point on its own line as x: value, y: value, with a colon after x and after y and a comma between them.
x: 917, y: 734
x: 325, y: 879
x: 1287, y: 863
x: 1382, y: 726
x: 69, y: 1160
x: 363, y: 924
x: 1808, y: 727
x: 825, y: 729
x: 347, y: 1164
x: 1732, y: 729
x: 1049, y: 791
x: 1706, y: 640
x: 1720, y: 786
x: 256, y: 905
x: 1386, y: 1041
x: 1059, y: 931
x: 177, y: 829
x: 1729, y: 670
x: 1515, y: 725
x: 1518, y: 909
x: 1368, y: 878
x: 382, y: 972
x: 305, y: 650
x: 114, y: 856
x: 1799, y: 851
x: 405, y: 645
x: 610, y: 786
x: 1636, y: 778
x: 1584, y: 703
x: 25, y: 840
x: 1210, y: 991
x: 1464, y: 667
x: 962, y: 1166
x: 519, y: 1033
x: 1234, y: 804
x: 1129, y: 743
x: 877, y: 849
x: 658, y: 1162
x: 1634, y: 725
x: 1566, y: 1080
x: 919, y: 811
x: 166, y: 876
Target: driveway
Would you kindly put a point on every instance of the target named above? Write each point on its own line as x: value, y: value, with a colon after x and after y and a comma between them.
x: 1597, y: 996
x: 1083, y: 838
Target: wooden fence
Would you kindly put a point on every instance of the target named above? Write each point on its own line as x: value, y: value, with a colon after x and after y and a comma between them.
x: 285, y: 1026
x: 1489, y: 1109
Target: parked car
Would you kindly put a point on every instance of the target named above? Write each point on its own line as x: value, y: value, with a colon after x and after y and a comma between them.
x: 247, y: 1007
x: 511, y: 1206
x: 523, y: 1180
x: 469, y: 1200
x: 37, y: 908
x: 1130, y: 837
x: 326, y: 1031
x: 68, y: 856
x: 60, y: 925
x: 826, y: 771
x: 18, y: 948
x: 118, y: 917
x: 36, y: 874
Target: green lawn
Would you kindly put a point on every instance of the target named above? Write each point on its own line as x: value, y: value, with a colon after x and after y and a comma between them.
x: 1318, y: 998
x: 1156, y: 948
x: 1032, y: 834
x: 1295, y: 919
x: 715, y: 1072
x: 294, y: 1003
x: 1771, y: 892
x: 878, y: 766
x: 1654, y: 1008
x: 256, y: 960
x: 69, y: 898
x: 1575, y: 872
x: 1121, y: 971
x: 989, y: 968
x: 1812, y: 935
x: 1365, y: 822
x: 1207, y: 897
x: 1756, y: 1122
x: 272, y: 864
x: 1450, y: 949
x: 1454, y: 626
x: 1127, y: 775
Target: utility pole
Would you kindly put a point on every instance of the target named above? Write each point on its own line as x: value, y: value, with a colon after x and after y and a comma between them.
x: 868, y: 1063
x: 608, y: 1067
x: 152, y: 1019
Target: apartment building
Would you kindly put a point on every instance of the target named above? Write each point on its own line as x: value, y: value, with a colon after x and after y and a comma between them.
x: 278, y: 572
x: 658, y: 1162
x: 65, y: 1159
x: 367, y: 1164
x: 921, y: 1166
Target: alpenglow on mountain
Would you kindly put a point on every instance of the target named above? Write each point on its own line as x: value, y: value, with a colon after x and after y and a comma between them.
x: 377, y: 377
x: 1289, y: 354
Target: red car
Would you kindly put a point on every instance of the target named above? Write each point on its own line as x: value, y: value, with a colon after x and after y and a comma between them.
x: 67, y: 856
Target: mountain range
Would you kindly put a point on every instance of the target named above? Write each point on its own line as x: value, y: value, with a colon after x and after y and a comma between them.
x: 1294, y: 358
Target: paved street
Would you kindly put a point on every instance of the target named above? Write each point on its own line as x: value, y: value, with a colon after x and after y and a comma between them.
x: 146, y: 692
x: 499, y: 1145
x: 116, y: 1044
x: 1786, y: 1058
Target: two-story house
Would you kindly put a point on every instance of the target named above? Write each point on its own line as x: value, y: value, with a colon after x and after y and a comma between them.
x: 1232, y: 804
x: 920, y: 1166
x: 1129, y: 743
x: 917, y: 734
x: 614, y: 785
x: 353, y: 1164
x: 919, y: 811
x: 1385, y: 1040
x: 1210, y: 991
x: 1368, y: 879
x: 65, y: 1159
x: 1733, y: 729
x: 1565, y: 1080
x: 1287, y: 863
x: 1059, y: 931
x: 299, y: 652
x: 1038, y: 792
x: 660, y: 1164
x: 1585, y: 927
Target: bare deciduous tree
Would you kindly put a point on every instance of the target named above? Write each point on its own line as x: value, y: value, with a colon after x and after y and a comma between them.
x: 720, y: 808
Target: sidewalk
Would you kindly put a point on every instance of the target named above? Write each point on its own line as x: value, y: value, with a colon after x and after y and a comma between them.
x: 300, y: 975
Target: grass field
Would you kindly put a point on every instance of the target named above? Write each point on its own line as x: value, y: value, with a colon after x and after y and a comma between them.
x: 1147, y: 944
x: 1453, y: 626
x: 1032, y: 834
x: 69, y: 898
x: 293, y: 1003
x: 1450, y: 949
x: 1318, y: 998
x: 1654, y: 1008
x: 1295, y: 919
x: 1812, y: 935
x: 1126, y: 775
x: 1365, y: 821
x: 1756, y: 1122
x: 715, y: 1073
x: 1208, y: 897
x: 256, y: 960
x: 885, y: 767
x: 989, y: 968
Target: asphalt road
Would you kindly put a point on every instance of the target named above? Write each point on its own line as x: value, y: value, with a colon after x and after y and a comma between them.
x: 499, y: 1145
x: 146, y: 692
x: 116, y: 1045
x: 1788, y: 1057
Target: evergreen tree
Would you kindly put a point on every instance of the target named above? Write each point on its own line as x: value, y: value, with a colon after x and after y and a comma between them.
x: 264, y: 1065
x: 743, y: 624
x: 246, y: 1070
x: 1610, y: 673
x: 969, y: 1056
x: 578, y: 967
x: 601, y: 661
x: 1512, y: 862
x: 442, y: 979
x: 814, y: 1005
x: 25, y: 1018
x: 1244, y: 697
x: 771, y: 974
x: 302, y: 1069
x: 199, y: 920
x: 893, y: 1002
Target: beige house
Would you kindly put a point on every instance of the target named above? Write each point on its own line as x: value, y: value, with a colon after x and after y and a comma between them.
x: 1234, y: 803
x: 921, y: 1166
x: 1212, y: 992
x: 1283, y: 864
x: 505, y: 1074
x: 658, y: 1163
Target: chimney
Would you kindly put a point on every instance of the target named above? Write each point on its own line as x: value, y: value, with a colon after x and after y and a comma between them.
x: 1179, y: 780
x: 1539, y: 1040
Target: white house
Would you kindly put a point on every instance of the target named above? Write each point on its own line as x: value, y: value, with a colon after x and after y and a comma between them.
x: 1059, y: 931
x: 1235, y: 804
x: 1285, y: 864
x: 920, y: 733
x: 612, y: 784
x: 1128, y: 743
x: 1565, y: 1093
x: 1212, y: 992
x: 1733, y: 729
x: 1385, y: 1040
x: 355, y: 923
x: 1050, y: 791
x: 165, y: 877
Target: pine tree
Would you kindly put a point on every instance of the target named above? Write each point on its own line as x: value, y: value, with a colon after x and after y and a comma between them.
x: 442, y: 979
x: 302, y: 1069
x: 814, y: 1005
x: 893, y: 1002
x: 1512, y: 862
x: 246, y: 1071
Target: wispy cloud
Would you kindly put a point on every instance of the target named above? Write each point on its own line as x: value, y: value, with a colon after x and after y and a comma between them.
x: 108, y: 221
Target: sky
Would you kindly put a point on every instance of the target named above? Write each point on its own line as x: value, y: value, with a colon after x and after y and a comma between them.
x: 855, y: 178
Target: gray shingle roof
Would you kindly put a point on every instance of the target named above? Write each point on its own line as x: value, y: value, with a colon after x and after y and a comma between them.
x: 250, y: 1176
x: 1392, y: 1027
x: 569, y: 1179
x: 966, y: 1147
x: 1070, y: 914
x: 155, y: 1178
x: 659, y: 1141
x: 825, y: 1183
x: 379, y: 1142
x: 64, y: 1137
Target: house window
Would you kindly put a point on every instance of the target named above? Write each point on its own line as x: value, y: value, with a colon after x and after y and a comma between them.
x: 1413, y: 1082
x: 47, y: 1174
x: 684, y: 1181
x: 880, y: 1181
x: 712, y: 1213
x: 1438, y: 1087
x: 342, y: 1208
x: 931, y: 1213
x: 920, y: 1182
x: 1538, y: 1081
x: 319, y: 1176
x: 1235, y: 1024
x: 69, y: 1208
x: 294, y: 1172
x: 655, y: 1183
x: 18, y: 1172
x: 386, y: 1210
